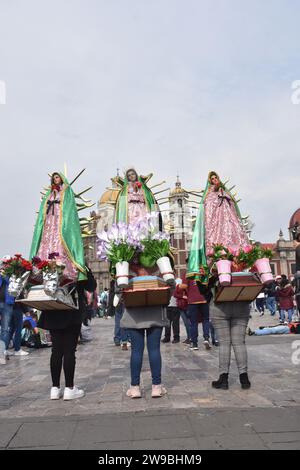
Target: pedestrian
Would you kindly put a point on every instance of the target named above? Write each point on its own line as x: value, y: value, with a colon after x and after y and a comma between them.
x: 121, y: 337
x: 104, y: 302
x: 198, y: 310
x: 260, y: 303
x: 230, y: 320
x: 64, y: 327
x: 6, y: 312
x: 15, y: 333
x: 296, y: 281
x: 182, y: 304
x: 270, y: 293
x: 145, y: 322
x: 286, y: 300
x: 173, y: 314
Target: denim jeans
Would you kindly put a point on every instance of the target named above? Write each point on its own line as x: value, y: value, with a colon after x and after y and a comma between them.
x: 120, y: 334
x: 290, y: 313
x: 16, y: 327
x: 186, y: 322
x: 137, y: 352
x: 6, y: 312
x: 271, y: 305
x: 194, y: 311
x: 275, y: 330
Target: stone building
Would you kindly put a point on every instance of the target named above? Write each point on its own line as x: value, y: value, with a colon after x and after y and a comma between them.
x: 284, y: 260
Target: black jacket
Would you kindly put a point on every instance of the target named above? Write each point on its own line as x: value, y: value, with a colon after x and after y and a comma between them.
x: 61, y: 319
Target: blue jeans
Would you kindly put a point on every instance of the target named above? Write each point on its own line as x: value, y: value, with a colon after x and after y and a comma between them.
x: 187, y: 323
x: 6, y: 312
x: 213, y: 333
x: 16, y: 327
x: 137, y: 351
x: 275, y: 330
x: 271, y: 305
x: 194, y: 311
x: 290, y: 313
x: 120, y: 334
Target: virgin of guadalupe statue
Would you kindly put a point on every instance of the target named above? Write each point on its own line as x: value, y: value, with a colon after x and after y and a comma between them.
x: 135, y: 199
x: 218, y: 222
x: 57, y: 230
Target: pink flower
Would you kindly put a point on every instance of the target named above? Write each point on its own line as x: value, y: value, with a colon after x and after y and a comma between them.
x: 248, y: 248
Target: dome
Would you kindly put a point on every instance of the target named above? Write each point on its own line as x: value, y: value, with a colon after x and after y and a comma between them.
x: 295, y: 218
x: 109, y: 197
x: 178, y: 190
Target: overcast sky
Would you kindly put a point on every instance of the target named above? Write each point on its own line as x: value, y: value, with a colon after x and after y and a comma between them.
x: 169, y: 86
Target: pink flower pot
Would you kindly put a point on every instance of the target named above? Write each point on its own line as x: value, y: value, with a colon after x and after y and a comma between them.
x: 264, y: 270
x: 224, y: 271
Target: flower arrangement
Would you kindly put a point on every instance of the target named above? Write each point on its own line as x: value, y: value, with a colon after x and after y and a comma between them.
x: 143, y: 241
x: 17, y: 266
x: 50, y: 265
x: 118, y: 244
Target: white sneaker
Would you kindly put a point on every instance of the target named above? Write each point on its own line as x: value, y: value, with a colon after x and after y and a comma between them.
x: 8, y: 353
x: 56, y: 393
x: 21, y: 353
x: 134, y: 391
x: 73, y: 393
x: 2, y: 359
x: 158, y: 391
x: 207, y: 344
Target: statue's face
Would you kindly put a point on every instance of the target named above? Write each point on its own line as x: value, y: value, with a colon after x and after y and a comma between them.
x: 215, y: 180
x: 57, y: 179
x: 132, y: 176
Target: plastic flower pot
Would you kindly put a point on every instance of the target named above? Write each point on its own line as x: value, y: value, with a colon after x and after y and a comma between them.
x: 122, y: 274
x: 166, y: 270
x: 224, y: 271
x: 264, y: 270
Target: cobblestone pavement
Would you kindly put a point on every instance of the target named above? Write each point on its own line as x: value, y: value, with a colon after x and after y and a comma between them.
x: 199, y: 413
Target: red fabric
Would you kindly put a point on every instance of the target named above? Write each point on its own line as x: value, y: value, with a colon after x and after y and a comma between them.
x: 286, y: 297
x: 182, y: 303
x: 193, y: 293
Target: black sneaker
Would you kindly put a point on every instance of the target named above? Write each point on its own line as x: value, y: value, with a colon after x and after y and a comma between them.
x: 175, y: 341
x: 215, y: 343
x: 186, y: 341
x: 221, y: 383
x: 194, y: 346
x: 207, y: 344
x: 165, y: 340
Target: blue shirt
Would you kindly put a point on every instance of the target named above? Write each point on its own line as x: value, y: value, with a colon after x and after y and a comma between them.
x: 9, y: 300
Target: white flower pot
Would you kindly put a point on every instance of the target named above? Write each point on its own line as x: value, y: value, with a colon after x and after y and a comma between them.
x: 50, y: 281
x: 17, y: 284
x: 122, y: 274
x: 166, y: 270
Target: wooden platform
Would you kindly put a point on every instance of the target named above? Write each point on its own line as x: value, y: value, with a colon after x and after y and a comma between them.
x: 144, y: 291
x: 244, y: 287
x: 37, y: 298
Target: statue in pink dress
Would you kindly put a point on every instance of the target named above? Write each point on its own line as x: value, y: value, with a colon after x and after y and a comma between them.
x: 135, y: 199
x: 57, y: 231
x: 219, y: 222
x: 223, y: 225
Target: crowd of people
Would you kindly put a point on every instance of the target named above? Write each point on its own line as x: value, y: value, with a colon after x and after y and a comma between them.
x: 280, y: 296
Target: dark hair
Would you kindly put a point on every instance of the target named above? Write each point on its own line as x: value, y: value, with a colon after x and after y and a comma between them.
x: 54, y: 174
x: 284, y: 282
x: 132, y: 169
